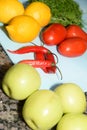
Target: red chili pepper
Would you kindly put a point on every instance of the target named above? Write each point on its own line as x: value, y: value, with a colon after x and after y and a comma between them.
x: 48, y: 56
x: 52, y: 69
x: 28, y: 49
x: 44, y: 64
x: 40, y: 56
x: 38, y: 63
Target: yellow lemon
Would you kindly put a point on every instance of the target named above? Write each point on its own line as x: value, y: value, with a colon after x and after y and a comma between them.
x: 40, y: 11
x: 23, y: 28
x: 9, y: 9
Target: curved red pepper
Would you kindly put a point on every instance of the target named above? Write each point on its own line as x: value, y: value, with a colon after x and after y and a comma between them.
x: 38, y: 63
x: 28, y: 49
x: 52, y: 69
x: 40, y: 56
x: 48, y: 56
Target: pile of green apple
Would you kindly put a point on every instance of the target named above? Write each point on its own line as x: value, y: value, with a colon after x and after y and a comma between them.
x: 43, y: 109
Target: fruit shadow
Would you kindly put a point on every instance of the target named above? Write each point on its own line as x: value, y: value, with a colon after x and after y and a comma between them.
x: 19, y: 111
x: 55, y: 86
x: 4, y: 30
x: 19, y: 108
x: 42, y: 30
x: 3, y: 69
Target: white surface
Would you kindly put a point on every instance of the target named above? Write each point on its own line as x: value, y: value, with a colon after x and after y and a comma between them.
x: 73, y: 69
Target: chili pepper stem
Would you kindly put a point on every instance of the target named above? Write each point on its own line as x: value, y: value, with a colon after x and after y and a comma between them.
x: 56, y: 57
x: 59, y: 72
x: 36, y: 44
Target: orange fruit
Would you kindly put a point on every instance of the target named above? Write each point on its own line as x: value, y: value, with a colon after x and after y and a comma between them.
x: 9, y: 9
x: 23, y: 29
x: 40, y: 11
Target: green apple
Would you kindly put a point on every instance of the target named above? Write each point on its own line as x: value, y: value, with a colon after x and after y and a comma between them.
x: 42, y: 110
x: 72, y: 121
x: 72, y: 97
x: 20, y: 81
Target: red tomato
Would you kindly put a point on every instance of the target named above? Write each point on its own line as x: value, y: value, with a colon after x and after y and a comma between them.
x: 76, y: 31
x: 72, y: 47
x: 54, y: 34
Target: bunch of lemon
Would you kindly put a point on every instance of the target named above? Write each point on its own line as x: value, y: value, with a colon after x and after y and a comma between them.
x: 23, y: 24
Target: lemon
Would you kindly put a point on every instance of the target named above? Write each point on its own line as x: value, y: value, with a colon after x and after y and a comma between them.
x: 23, y: 29
x: 40, y: 11
x: 10, y: 9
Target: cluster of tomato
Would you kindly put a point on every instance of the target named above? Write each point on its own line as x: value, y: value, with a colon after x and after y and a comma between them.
x: 71, y: 41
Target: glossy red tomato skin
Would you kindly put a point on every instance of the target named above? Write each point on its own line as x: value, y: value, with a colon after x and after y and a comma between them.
x: 76, y: 31
x: 53, y: 34
x: 72, y: 47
